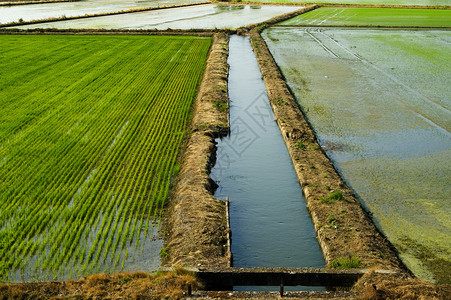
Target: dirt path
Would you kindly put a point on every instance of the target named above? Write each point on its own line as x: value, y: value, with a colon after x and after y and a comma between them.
x: 197, y: 223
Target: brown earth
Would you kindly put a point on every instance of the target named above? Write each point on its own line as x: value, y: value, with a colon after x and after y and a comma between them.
x: 174, y: 285
x: 343, y: 228
x: 137, y: 285
x: 49, y: 31
x: 197, y: 226
x: 26, y: 2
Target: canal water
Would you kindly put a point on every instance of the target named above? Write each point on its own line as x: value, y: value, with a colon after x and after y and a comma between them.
x: 270, y: 224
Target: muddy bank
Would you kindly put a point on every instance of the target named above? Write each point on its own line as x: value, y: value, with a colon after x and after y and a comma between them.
x: 188, y: 32
x: 18, y: 2
x: 282, y: 17
x: 346, y: 233
x: 197, y: 225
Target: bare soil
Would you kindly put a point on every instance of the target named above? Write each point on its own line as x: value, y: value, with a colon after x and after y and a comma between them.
x: 137, y: 285
x: 343, y: 228
x: 26, y: 2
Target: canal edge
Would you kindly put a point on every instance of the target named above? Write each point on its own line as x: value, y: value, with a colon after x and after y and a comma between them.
x: 342, y: 236
x: 197, y: 231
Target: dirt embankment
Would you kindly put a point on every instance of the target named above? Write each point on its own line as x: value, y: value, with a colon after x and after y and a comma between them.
x: 38, y: 31
x: 197, y: 225
x: 346, y: 234
x: 282, y: 17
x: 26, y: 2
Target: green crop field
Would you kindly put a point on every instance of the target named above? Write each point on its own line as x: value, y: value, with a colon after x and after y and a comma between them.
x: 368, y: 2
x: 90, y: 129
x: 373, y: 16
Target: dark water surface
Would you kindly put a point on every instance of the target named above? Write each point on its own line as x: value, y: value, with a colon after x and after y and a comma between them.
x: 270, y: 224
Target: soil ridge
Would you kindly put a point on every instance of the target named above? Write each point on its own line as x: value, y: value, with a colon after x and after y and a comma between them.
x: 198, y: 226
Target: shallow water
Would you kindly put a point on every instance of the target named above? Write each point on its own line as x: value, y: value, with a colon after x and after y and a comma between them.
x: 197, y: 17
x: 70, y: 9
x: 269, y: 220
x: 380, y: 103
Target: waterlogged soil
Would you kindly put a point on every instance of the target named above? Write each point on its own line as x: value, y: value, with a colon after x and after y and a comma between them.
x: 380, y: 103
x: 198, y: 17
x: 71, y: 9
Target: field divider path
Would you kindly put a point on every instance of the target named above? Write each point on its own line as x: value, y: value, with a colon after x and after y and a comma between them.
x: 352, y: 232
x: 197, y: 227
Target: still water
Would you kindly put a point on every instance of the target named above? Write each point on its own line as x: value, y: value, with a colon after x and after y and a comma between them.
x: 193, y: 17
x: 270, y: 224
x: 380, y: 103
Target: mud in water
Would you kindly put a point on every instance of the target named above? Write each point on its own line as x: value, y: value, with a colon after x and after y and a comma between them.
x: 196, y: 17
x: 379, y: 101
x: 70, y: 9
x: 269, y: 220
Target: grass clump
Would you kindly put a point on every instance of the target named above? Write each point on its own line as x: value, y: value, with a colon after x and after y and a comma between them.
x: 334, y: 196
x: 345, y: 262
x: 222, y: 106
x: 300, y: 145
x: 332, y: 221
x: 164, y: 252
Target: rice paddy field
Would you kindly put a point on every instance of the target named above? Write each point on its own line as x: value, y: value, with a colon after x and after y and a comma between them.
x: 380, y: 103
x: 198, y: 17
x: 345, y: 16
x: 90, y: 130
x: 369, y: 2
x: 78, y: 8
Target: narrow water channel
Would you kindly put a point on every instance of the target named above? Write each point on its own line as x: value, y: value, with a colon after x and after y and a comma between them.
x: 270, y: 224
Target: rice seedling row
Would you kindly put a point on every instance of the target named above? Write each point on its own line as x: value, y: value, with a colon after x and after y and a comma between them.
x: 90, y: 131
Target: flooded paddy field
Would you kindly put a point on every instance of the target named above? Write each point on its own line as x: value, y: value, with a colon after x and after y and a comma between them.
x: 199, y: 17
x: 71, y: 9
x: 380, y: 103
x: 373, y: 17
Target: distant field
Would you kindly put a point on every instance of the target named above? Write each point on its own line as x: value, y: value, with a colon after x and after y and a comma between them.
x: 373, y: 16
x: 90, y: 129
x: 372, y: 2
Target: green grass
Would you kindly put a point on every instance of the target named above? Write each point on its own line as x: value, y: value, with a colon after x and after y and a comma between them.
x: 334, y: 196
x: 90, y: 129
x: 371, y: 2
x: 345, y: 262
x: 373, y: 16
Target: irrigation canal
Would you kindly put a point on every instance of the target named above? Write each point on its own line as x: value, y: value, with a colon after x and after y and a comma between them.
x: 270, y: 224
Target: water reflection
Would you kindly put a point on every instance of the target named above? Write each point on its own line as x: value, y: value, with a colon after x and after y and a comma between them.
x: 269, y: 220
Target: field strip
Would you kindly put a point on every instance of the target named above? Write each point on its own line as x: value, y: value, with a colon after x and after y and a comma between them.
x: 333, y: 16
x: 6, y: 3
x: 197, y: 233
